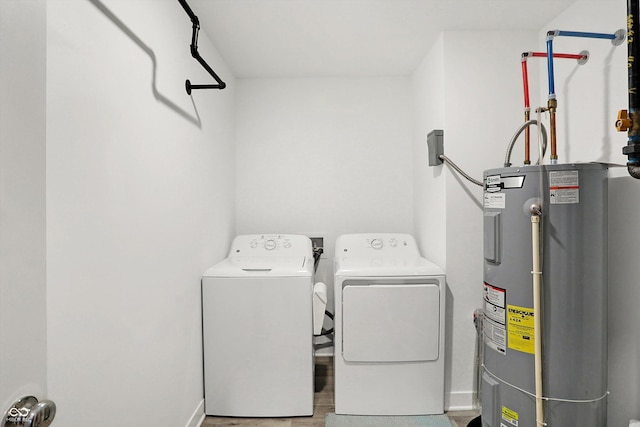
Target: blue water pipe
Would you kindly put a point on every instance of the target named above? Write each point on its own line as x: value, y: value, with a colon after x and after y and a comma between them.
x: 552, y: 88
x: 616, y: 39
x: 586, y: 35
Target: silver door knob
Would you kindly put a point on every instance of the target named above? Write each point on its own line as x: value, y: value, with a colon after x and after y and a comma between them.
x: 42, y: 414
x: 28, y: 412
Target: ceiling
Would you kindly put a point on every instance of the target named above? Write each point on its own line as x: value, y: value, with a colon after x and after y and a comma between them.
x: 302, y: 38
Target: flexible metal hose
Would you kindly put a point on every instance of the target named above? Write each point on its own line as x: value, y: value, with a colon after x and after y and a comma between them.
x: 514, y: 138
x: 507, y: 159
x: 460, y: 171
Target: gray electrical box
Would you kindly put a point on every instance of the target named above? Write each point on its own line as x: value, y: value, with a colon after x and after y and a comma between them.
x: 435, y: 144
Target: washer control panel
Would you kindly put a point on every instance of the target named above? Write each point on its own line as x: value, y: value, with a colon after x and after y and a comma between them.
x: 379, y: 244
x: 271, y: 244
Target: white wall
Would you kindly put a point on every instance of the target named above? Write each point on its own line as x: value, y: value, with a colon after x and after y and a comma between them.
x: 140, y: 199
x: 328, y: 155
x: 588, y: 101
x: 430, y: 218
x: 22, y: 201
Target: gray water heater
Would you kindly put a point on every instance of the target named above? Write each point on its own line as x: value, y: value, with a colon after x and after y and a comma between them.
x: 573, y: 249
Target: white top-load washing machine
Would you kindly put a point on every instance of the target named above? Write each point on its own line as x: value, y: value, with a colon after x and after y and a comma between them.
x: 257, y: 327
x: 389, y: 327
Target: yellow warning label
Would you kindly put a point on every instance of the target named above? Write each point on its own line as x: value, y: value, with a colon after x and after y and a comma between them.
x: 510, y: 416
x: 520, y: 326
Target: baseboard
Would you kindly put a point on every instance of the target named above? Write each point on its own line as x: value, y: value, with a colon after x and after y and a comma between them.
x: 197, y: 417
x: 458, y: 401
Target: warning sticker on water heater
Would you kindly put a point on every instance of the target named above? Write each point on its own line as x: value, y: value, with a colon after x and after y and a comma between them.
x: 564, y: 187
x: 494, y: 324
x: 520, y: 326
x: 510, y: 416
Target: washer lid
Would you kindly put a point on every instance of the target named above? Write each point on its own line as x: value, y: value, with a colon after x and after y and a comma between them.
x: 385, y: 267
x: 259, y: 266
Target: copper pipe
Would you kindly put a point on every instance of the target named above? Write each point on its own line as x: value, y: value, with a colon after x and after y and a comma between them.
x: 527, y: 139
x: 552, y: 105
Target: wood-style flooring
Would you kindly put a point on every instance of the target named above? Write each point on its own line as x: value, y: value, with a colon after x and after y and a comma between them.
x: 323, y: 404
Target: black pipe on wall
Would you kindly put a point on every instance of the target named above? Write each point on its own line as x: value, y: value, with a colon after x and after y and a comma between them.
x: 194, y: 53
x: 632, y: 150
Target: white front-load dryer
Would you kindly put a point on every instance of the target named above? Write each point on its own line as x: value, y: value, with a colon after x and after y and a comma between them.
x: 257, y: 329
x: 389, y: 327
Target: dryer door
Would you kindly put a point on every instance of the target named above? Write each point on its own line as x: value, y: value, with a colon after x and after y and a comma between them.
x: 388, y: 322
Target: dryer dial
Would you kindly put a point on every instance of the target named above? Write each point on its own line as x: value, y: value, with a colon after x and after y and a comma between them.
x: 377, y: 244
x: 270, y: 244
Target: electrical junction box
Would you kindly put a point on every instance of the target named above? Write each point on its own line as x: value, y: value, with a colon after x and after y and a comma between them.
x: 435, y: 144
x: 317, y: 242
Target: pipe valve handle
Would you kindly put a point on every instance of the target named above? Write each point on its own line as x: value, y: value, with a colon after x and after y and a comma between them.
x: 623, y: 122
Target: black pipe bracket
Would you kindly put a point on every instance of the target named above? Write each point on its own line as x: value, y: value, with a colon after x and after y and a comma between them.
x: 194, y: 53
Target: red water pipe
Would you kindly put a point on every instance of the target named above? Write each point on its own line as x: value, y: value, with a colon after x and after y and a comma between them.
x: 561, y: 55
x: 581, y: 57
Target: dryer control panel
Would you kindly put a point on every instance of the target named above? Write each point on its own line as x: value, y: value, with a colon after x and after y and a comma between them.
x: 376, y: 244
x: 271, y: 245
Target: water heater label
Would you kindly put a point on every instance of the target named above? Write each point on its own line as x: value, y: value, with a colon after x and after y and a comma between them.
x: 521, y: 328
x: 564, y: 187
x: 494, y: 325
x: 510, y: 416
x: 495, y: 200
